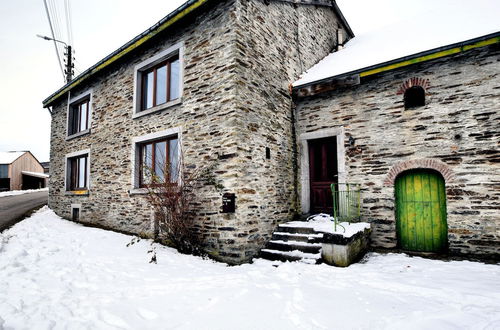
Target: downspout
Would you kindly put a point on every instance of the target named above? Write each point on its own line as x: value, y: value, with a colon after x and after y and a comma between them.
x: 294, y: 133
x: 295, y: 167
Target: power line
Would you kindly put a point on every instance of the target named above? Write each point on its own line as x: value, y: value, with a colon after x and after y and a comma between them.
x: 53, y: 37
x: 69, y: 28
x: 57, y: 23
x: 56, y: 20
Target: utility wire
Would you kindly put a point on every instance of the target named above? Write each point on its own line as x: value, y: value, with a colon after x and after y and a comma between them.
x: 53, y: 37
x: 56, y: 20
x: 59, y: 28
x: 69, y: 28
x: 56, y: 23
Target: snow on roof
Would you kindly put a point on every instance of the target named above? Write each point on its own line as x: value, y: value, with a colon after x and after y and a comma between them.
x: 8, y: 157
x: 443, y: 23
x: 35, y: 174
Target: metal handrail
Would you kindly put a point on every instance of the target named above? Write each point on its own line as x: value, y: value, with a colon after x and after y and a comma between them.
x: 346, y: 203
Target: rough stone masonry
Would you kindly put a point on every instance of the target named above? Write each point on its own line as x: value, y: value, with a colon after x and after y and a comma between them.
x: 456, y: 133
x: 239, y: 58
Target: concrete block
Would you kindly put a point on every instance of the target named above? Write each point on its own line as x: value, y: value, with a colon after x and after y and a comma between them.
x: 341, y: 251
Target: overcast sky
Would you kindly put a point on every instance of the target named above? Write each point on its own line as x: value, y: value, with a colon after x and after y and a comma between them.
x: 30, y: 72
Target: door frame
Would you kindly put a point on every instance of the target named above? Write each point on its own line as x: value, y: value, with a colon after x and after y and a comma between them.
x: 304, y: 138
x: 444, y: 211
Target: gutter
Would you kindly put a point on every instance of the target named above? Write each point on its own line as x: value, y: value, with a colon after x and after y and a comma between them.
x: 456, y: 48
x: 164, y: 23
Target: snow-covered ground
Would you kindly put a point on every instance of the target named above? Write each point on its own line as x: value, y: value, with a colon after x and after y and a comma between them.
x: 21, y: 192
x: 55, y: 274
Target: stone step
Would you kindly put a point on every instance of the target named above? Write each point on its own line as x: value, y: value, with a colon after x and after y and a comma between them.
x: 287, y: 237
x: 295, y: 229
x: 291, y: 256
x: 294, y: 246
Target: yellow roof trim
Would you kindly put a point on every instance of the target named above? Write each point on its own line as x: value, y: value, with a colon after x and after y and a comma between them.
x: 432, y: 56
x: 127, y: 50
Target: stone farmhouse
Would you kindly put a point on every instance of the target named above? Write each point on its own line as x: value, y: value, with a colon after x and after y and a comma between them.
x: 222, y: 82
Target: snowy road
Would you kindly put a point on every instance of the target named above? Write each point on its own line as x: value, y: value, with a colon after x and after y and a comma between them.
x: 55, y: 274
x: 13, y: 207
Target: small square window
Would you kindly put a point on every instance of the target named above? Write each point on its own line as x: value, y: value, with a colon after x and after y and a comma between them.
x: 414, y: 97
x: 158, y: 161
x: 77, y: 178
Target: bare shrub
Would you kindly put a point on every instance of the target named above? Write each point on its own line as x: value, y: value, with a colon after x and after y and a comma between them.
x: 172, y: 193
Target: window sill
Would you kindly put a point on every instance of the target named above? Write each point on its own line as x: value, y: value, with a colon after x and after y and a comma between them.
x: 76, y: 193
x: 73, y: 136
x: 138, y: 191
x: 158, y: 108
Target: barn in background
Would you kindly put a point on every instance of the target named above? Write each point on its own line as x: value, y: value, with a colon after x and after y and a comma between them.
x: 20, y: 170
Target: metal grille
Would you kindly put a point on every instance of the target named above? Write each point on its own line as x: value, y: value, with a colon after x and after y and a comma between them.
x: 346, y: 202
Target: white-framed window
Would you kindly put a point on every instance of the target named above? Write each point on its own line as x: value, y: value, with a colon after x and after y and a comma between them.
x: 158, y: 81
x: 79, y: 114
x: 156, y: 157
x: 77, y: 176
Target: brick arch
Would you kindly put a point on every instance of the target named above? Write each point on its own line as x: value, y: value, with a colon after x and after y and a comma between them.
x: 424, y: 83
x: 432, y: 164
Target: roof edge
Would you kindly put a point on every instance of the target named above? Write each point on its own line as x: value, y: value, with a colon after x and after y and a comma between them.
x: 343, y: 19
x: 22, y: 153
x: 420, y: 57
x: 185, y: 9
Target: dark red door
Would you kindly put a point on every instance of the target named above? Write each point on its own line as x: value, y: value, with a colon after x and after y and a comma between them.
x: 322, y: 173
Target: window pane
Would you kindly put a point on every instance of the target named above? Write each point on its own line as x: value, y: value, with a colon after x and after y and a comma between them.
x: 74, y: 119
x: 73, y: 166
x: 174, y: 79
x: 160, y: 161
x: 147, y: 162
x: 161, y: 85
x: 4, y: 171
x: 174, y: 160
x: 147, y: 90
x: 83, y: 121
x: 82, y: 166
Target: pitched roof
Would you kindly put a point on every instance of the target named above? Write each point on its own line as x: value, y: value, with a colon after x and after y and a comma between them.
x: 177, y: 15
x: 8, y: 157
x: 173, y: 17
x: 440, y: 25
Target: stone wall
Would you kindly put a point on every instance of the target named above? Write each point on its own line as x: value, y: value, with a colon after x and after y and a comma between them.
x: 274, y: 44
x: 240, y: 57
x: 205, y: 116
x: 456, y: 133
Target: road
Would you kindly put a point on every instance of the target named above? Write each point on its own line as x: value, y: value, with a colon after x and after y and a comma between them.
x: 12, y: 208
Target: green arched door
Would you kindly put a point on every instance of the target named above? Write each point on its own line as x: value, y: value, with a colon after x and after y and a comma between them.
x: 421, y: 211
